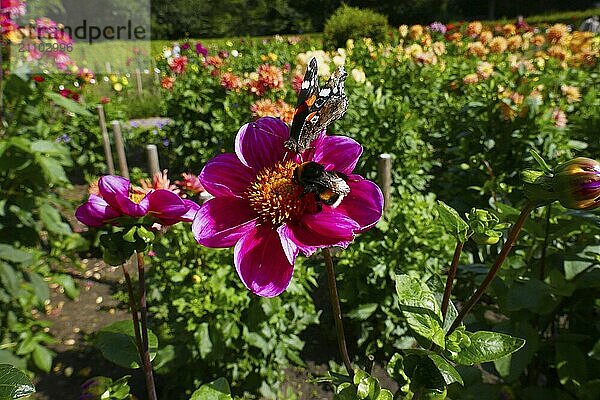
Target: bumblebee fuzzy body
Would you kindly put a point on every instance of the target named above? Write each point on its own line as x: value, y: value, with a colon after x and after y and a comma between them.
x: 329, y: 187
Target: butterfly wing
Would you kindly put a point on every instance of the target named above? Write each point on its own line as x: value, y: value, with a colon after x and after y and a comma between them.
x: 329, y: 105
x: 306, y: 98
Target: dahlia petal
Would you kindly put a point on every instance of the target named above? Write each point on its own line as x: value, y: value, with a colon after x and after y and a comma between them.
x: 115, y: 190
x: 95, y: 212
x: 261, y: 262
x: 111, y: 186
x: 337, y: 153
x: 364, y: 203
x: 259, y: 144
x: 131, y: 208
x: 190, y: 214
x: 225, y: 175
x: 290, y: 248
x: 192, y: 209
x: 289, y: 241
x: 221, y: 222
x: 166, y: 204
x: 329, y: 227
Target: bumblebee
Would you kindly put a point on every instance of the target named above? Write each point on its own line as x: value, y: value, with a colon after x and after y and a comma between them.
x: 329, y: 187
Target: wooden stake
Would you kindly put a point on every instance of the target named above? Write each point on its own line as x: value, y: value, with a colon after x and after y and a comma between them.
x: 385, y: 178
x: 153, y: 163
x: 108, y: 68
x: 105, y: 141
x: 138, y: 79
x: 116, y: 125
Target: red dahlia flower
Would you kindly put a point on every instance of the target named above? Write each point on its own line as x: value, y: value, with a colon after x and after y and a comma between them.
x: 178, y: 64
x: 261, y: 210
x: 117, y: 198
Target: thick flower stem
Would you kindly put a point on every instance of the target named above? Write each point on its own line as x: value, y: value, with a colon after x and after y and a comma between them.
x: 337, y: 311
x: 134, y: 313
x: 146, y: 364
x: 510, y: 241
x: 450, y: 278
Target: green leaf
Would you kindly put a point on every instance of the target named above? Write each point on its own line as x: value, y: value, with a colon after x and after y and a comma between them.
x: 42, y: 358
x: 117, y: 344
x: 12, y: 254
x: 385, y: 395
x: 452, y: 221
x: 541, y: 162
x: 40, y: 287
x: 449, y: 373
x: 581, y: 261
x: 363, y: 311
x: 487, y: 346
x: 6, y: 357
x: 129, y: 236
x: 14, y: 384
x: 216, y: 390
x: 52, y: 169
x: 571, y: 364
x: 531, y: 295
x: 68, y: 104
x: 145, y: 234
x: 8, y: 279
x: 48, y: 147
x: 420, y: 308
x: 68, y: 284
x: 203, y: 337
x: 53, y: 221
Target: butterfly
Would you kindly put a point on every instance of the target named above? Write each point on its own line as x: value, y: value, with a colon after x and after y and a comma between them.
x: 317, y: 107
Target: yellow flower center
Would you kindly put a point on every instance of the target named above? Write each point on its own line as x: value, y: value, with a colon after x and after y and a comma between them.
x: 275, y: 196
x: 136, y: 196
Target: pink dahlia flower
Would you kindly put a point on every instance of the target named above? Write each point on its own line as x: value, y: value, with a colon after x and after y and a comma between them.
x: 259, y: 208
x: 116, y: 198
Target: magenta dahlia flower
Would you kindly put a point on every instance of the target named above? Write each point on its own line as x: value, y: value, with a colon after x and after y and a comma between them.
x: 259, y: 208
x: 115, y: 197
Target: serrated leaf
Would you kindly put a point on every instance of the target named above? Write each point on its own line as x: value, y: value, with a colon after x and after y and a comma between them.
x: 117, y: 344
x: 53, y: 221
x: 216, y: 390
x: 8, y: 279
x: 487, y: 346
x: 40, y: 287
x: 14, y: 384
x: 12, y: 254
x: 52, y: 169
x: 452, y: 221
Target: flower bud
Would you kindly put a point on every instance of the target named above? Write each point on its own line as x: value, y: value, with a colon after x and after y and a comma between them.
x: 577, y: 183
x: 485, y: 226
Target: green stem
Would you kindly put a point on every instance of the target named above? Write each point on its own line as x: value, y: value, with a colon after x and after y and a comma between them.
x: 146, y: 364
x: 510, y: 241
x: 134, y: 313
x: 337, y: 312
x: 450, y: 278
x: 545, y: 245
